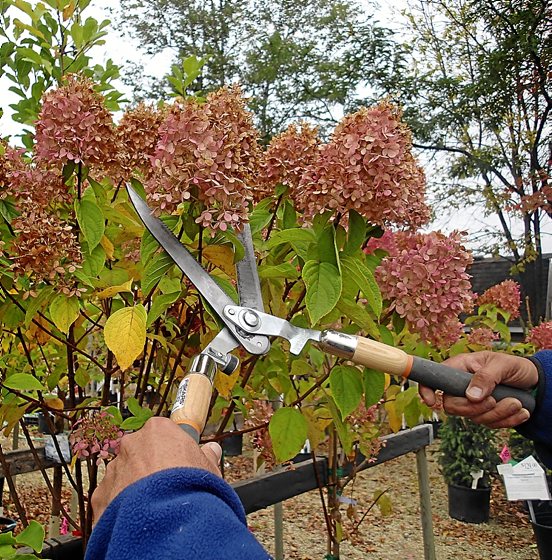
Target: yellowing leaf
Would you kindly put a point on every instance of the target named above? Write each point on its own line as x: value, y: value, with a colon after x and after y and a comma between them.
x: 125, y: 334
x: 64, y: 312
x: 225, y: 383
x: 221, y: 256
x: 55, y: 403
x: 393, y: 417
x: 107, y: 247
x: 114, y: 290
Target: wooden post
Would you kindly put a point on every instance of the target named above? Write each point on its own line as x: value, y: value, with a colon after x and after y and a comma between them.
x: 425, y: 505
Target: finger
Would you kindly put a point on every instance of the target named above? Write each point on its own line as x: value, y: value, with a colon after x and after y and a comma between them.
x: 503, y: 413
x: 427, y: 394
x: 460, y: 406
x: 213, y: 452
x: 512, y: 421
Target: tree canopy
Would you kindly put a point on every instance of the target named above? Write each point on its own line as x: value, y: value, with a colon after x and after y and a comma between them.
x: 308, y: 63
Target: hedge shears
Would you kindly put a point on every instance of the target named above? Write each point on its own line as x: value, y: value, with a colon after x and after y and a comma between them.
x: 248, y: 326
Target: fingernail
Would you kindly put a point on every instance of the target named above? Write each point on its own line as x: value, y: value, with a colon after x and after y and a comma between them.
x: 215, y: 448
x: 515, y: 408
x: 524, y: 415
x: 474, y: 392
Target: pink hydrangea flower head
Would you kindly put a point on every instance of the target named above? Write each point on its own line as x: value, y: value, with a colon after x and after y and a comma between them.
x: 138, y: 134
x: 31, y: 183
x: 260, y: 412
x: 425, y: 281
x: 74, y: 125
x: 287, y: 157
x: 95, y: 434
x: 505, y: 296
x: 541, y: 336
x: 367, y: 166
x: 482, y: 336
x: 44, y: 248
x: 208, y: 152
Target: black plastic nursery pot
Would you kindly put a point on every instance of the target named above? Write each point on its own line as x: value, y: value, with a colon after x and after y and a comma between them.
x: 232, y: 445
x: 470, y: 505
x: 542, y: 528
x: 7, y: 524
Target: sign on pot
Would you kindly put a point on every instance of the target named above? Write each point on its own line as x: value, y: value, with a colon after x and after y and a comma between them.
x: 525, y: 480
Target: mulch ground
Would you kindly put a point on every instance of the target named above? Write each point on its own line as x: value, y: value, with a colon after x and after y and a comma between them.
x: 507, y: 536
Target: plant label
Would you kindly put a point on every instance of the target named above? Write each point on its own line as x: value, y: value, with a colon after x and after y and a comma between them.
x: 525, y: 481
x: 476, y: 475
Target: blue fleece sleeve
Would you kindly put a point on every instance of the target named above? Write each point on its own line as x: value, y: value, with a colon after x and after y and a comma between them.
x: 175, y: 514
x: 539, y: 426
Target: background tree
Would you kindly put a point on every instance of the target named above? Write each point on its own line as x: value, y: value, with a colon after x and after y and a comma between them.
x: 308, y: 63
x: 481, y: 95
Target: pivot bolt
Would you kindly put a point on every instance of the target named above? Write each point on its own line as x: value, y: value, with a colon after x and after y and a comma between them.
x: 250, y: 319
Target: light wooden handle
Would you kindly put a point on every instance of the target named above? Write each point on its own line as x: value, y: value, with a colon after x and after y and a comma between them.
x: 382, y: 357
x: 192, y: 402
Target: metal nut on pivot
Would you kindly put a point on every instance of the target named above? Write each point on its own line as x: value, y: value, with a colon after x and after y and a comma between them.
x: 250, y: 319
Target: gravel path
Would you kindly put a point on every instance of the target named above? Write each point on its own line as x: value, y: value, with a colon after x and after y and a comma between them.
x: 507, y: 536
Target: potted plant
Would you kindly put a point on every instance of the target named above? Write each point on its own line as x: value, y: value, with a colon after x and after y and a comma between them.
x: 468, y: 459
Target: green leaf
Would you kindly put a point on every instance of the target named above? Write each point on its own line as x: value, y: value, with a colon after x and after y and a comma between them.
x: 160, y: 304
x: 23, y: 382
x: 91, y: 221
x: 356, y: 233
x: 374, y: 386
x: 64, y: 311
x: 82, y: 378
x: 323, y: 283
x: 154, y: 270
x: 284, y: 270
x: 36, y: 303
x: 358, y: 315
x: 288, y: 432
x: 116, y: 413
x: 293, y: 236
x: 346, y: 387
x: 93, y: 261
x: 357, y: 272
x: 133, y: 423
x: 137, y: 410
x: 32, y: 535
x: 125, y: 334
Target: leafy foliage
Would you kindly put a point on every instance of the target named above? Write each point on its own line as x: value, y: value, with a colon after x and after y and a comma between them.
x: 465, y: 447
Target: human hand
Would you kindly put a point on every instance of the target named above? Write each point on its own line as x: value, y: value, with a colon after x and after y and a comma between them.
x: 160, y: 444
x: 489, y: 369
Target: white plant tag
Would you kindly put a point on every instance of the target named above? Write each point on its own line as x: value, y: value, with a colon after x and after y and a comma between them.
x: 476, y: 475
x: 526, y: 481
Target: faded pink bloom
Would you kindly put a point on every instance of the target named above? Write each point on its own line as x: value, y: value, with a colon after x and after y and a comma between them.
x: 505, y: 296
x: 44, y: 248
x: 541, y: 336
x: 31, y: 183
x: 367, y: 166
x: 287, y: 157
x: 482, y: 336
x: 95, y: 434
x: 207, y: 152
x: 74, y: 125
x: 425, y: 281
x: 138, y: 134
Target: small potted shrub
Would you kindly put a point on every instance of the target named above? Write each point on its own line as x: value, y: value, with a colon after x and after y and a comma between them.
x: 465, y: 448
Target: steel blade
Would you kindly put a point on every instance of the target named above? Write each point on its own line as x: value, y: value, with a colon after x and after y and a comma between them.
x: 249, y: 287
x: 205, y: 285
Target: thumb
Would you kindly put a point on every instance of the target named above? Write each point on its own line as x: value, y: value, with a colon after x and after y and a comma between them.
x: 213, y: 451
x: 483, y: 383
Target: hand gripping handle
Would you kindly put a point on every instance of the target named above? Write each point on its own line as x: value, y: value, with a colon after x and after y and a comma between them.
x: 191, y: 405
x: 395, y: 361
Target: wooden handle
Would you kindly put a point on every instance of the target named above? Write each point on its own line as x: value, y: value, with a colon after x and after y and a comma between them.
x: 382, y: 357
x: 192, y: 402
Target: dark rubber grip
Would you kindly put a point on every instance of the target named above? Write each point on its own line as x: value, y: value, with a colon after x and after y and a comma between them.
x: 191, y: 431
x: 455, y: 382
